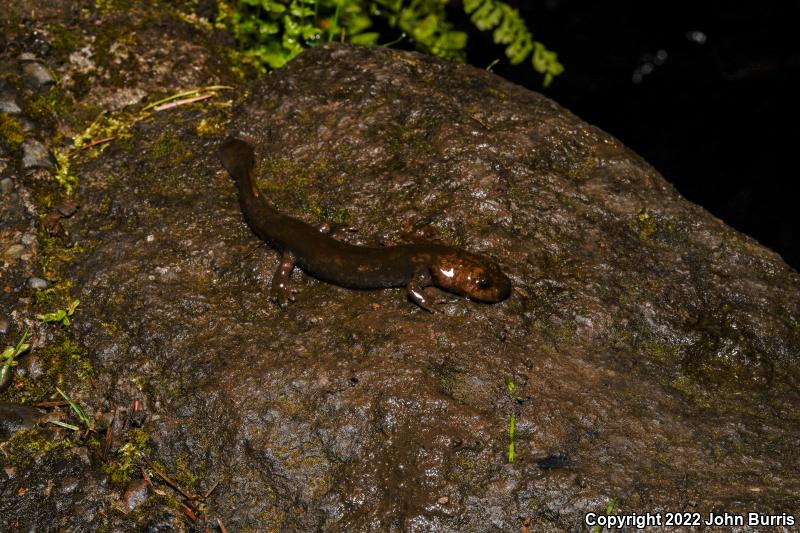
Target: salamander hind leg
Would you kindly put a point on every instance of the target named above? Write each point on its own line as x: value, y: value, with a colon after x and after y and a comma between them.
x: 415, y: 290
x: 281, y: 290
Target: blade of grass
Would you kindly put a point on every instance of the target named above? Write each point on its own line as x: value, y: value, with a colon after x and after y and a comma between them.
x: 21, y: 346
x: 64, y: 425
x: 511, y: 427
x: 11, y: 352
x: 184, y: 94
x: 334, y: 23
x: 79, y: 412
x: 609, y: 509
x: 392, y: 43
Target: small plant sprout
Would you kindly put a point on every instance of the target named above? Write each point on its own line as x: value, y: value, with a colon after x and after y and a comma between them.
x: 61, y: 315
x: 511, y: 426
x: 64, y: 425
x: 512, y: 422
x: 8, y: 359
x: 272, y: 32
x: 78, y: 411
x: 609, y: 509
x: 512, y: 390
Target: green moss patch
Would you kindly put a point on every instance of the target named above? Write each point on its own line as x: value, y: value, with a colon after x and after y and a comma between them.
x: 11, y: 133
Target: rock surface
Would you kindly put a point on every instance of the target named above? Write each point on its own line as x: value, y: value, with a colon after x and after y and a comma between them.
x: 35, y: 155
x: 36, y: 74
x: 653, y: 350
x: 15, y: 417
x: 8, y: 101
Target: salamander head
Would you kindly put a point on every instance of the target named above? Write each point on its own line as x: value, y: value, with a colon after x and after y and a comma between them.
x: 474, y: 276
x: 238, y: 158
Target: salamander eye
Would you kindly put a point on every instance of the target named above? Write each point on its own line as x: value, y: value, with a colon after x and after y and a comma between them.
x: 484, y: 283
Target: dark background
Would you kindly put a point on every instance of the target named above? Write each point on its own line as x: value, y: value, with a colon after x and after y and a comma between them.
x: 716, y: 112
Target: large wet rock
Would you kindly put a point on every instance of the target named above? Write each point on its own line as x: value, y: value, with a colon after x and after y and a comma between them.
x: 653, y: 349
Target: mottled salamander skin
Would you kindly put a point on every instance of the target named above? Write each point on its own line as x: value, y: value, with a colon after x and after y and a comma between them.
x: 413, y: 266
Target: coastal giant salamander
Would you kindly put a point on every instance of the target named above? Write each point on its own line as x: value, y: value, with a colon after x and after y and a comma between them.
x: 414, y: 266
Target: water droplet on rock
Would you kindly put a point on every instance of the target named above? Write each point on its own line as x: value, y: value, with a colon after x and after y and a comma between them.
x: 37, y: 283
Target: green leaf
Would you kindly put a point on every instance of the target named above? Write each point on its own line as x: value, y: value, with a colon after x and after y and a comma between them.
x: 367, y: 38
x: 274, y: 7
x: 487, y: 16
x: 513, y: 390
x: 357, y: 24
x: 506, y: 31
x: 55, y: 316
x: 454, y: 40
x: 519, y: 50
x: 268, y: 28
x: 426, y: 28
x: 5, y: 372
x: 272, y: 32
x: 391, y: 5
x: 60, y: 315
x: 247, y: 26
x: 291, y: 27
x: 310, y: 32
x: 471, y: 5
x: 546, y: 62
x: 12, y: 351
x: 300, y: 11
x: 274, y: 56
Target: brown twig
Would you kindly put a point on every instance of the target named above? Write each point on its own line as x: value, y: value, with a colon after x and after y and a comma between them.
x: 57, y: 403
x: 188, y: 512
x: 95, y: 142
x: 109, y: 436
x: 171, y: 483
x: 209, y: 491
x: 221, y: 526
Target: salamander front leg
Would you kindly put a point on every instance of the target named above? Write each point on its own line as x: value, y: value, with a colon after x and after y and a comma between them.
x: 281, y: 290
x: 415, y: 290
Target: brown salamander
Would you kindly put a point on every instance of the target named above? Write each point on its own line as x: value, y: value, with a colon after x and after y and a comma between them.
x: 414, y: 266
